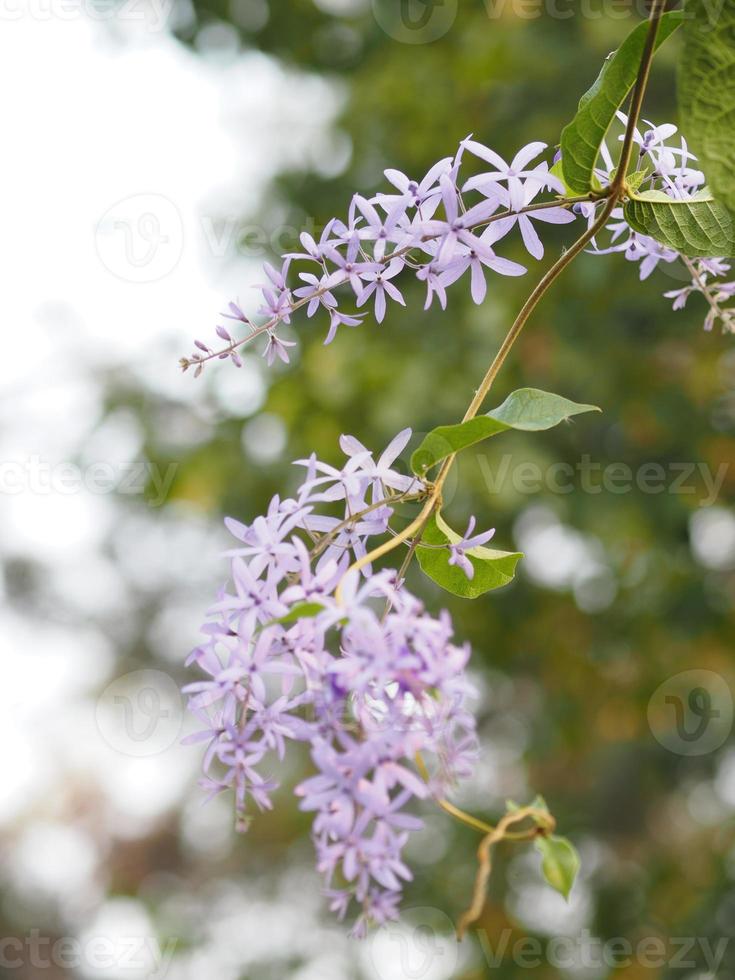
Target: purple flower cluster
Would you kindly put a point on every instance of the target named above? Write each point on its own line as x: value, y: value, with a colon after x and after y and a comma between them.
x: 668, y: 169
x: 370, y: 681
x: 426, y: 226
x: 433, y: 228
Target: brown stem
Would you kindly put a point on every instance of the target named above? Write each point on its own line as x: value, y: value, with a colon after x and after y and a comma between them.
x: 433, y: 502
x: 544, y: 824
x: 636, y: 103
x: 612, y: 194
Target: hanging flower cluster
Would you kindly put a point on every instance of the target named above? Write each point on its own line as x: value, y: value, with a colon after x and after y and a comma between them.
x: 428, y: 227
x: 665, y: 167
x: 368, y: 679
x: 443, y: 227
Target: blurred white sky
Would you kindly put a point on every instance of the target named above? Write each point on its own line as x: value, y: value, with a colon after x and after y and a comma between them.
x: 122, y: 151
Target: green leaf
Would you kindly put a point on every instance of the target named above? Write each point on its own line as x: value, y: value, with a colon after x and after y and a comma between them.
x: 633, y: 181
x: 559, y: 863
x: 707, y: 92
x: 538, y: 804
x: 700, y: 227
x: 582, y: 138
x: 493, y: 569
x: 527, y: 409
x: 558, y: 171
x: 302, y: 610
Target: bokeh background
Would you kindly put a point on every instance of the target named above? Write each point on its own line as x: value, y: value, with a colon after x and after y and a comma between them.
x: 155, y: 153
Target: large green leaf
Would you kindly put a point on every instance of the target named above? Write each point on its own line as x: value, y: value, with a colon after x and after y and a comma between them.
x: 582, y: 138
x: 707, y: 92
x: 528, y: 409
x: 701, y: 227
x: 493, y: 569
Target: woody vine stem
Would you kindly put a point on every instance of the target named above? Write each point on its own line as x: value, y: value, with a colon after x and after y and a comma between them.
x: 612, y: 194
x: 543, y: 824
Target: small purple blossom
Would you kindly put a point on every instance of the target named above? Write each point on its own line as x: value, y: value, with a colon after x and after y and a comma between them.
x: 469, y: 541
x: 277, y: 348
x: 378, y: 284
x: 511, y: 173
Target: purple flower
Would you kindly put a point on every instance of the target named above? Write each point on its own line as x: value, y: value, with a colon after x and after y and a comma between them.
x: 469, y: 541
x: 379, y: 285
x: 235, y: 313
x: 366, y: 689
x: 278, y: 278
x: 511, y: 172
x: 455, y: 230
x: 381, y: 474
x: 474, y: 258
x: 277, y: 348
x: 317, y: 291
x: 529, y: 191
x: 400, y: 227
x: 351, y: 270
x: 313, y: 251
x: 337, y: 320
x: 377, y: 229
x: 432, y: 276
x: 422, y: 191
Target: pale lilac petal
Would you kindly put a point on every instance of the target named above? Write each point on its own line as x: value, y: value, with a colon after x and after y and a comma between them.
x: 485, y: 153
x: 553, y: 216
x: 530, y: 238
x: 524, y: 156
x: 478, y: 284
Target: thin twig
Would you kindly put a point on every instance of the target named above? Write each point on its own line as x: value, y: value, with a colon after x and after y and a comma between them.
x: 544, y: 824
x: 639, y: 91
